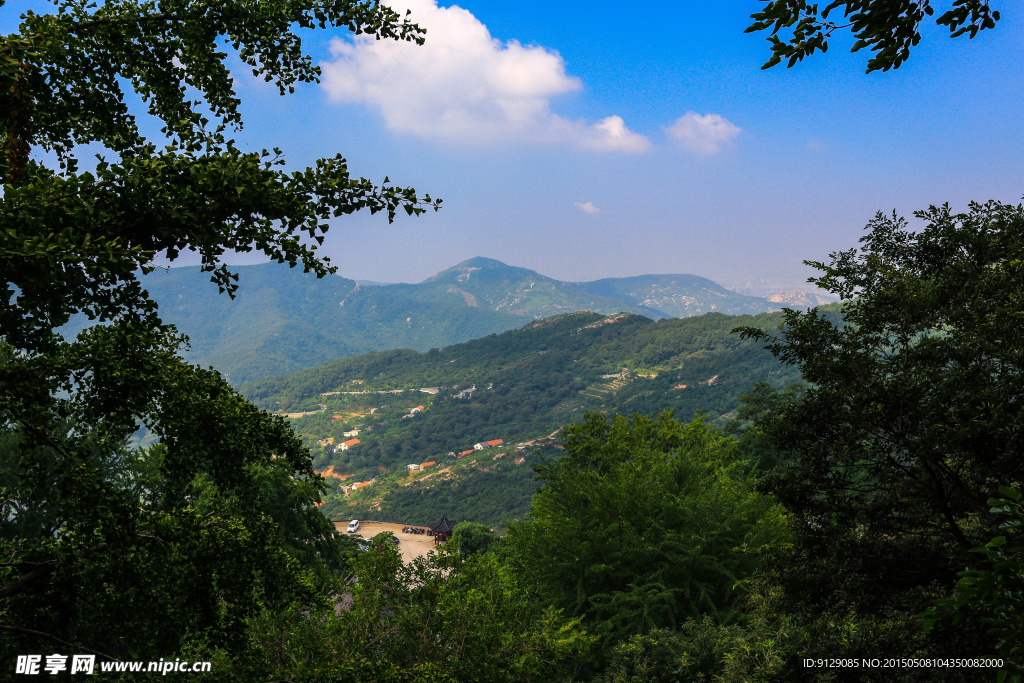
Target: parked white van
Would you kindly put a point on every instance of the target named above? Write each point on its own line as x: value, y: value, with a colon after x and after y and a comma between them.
x: 353, y: 526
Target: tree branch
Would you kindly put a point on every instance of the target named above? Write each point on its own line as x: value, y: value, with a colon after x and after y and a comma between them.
x: 17, y: 629
x: 40, y: 569
x: 106, y: 21
x: 18, y: 584
x: 28, y: 564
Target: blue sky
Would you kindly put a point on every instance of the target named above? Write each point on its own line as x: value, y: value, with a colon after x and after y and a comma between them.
x: 589, y: 140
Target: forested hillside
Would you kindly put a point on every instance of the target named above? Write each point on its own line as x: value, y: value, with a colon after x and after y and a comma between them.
x: 677, y: 296
x: 518, y: 386
x: 491, y: 284
x: 283, y: 320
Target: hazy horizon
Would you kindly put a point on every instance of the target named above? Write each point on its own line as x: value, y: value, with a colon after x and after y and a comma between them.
x: 759, y: 287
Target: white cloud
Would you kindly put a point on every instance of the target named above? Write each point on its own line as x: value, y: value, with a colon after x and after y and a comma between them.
x: 705, y: 134
x: 464, y: 85
x: 587, y: 207
x: 611, y: 135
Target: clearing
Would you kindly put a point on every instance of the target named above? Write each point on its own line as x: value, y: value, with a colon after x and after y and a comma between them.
x: 410, y: 545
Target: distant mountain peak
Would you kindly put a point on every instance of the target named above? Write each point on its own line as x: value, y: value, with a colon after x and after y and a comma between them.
x: 475, y: 263
x: 480, y: 262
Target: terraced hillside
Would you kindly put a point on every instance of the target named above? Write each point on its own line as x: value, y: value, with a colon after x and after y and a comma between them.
x: 431, y: 409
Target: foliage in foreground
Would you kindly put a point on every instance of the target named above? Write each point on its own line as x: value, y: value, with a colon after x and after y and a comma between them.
x: 770, y: 643
x: 644, y: 524
x: 995, y: 591
x: 914, y: 417
x: 470, y: 538
x: 888, y: 27
x: 129, y: 552
x: 442, y: 618
x: 912, y: 422
x: 108, y: 548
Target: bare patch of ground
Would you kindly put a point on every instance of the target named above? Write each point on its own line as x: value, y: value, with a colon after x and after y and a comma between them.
x: 469, y: 298
x: 410, y: 545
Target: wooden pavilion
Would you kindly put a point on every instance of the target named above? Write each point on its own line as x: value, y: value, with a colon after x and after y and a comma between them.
x: 442, y: 529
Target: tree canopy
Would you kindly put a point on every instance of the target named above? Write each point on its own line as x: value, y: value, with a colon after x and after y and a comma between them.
x: 472, y: 537
x: 108, y: 546
x: 442, y: 618
x: 643, y: 524
x: 913, y: 417
x: 888, y: 27
x: 73, y: 241
x: 910, y: 427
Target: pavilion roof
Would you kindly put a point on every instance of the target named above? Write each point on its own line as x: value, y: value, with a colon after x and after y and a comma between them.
x: 443, y: 525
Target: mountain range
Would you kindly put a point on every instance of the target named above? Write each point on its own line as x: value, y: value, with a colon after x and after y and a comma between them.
x: 283, y: 320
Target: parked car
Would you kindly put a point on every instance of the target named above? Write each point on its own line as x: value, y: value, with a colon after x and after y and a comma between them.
x: 353, y: 526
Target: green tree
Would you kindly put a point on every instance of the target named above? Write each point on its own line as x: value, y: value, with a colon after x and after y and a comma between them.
x: 910, y: 424
x: 107, y: 547
x: 643, y: 524
x: 757, y: 408
x: 763, y: 402
x: 443, y: 618
x: 997, y: 589
x: 128, y: 551
x: 471, y: 538
x: 888, y: 27
x: 73, y: 242
x: 913, y: 418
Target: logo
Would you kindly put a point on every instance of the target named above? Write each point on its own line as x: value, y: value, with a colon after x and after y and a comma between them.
x: 54, y: 664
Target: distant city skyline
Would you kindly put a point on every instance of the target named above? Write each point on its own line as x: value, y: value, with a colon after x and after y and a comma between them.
x: 597, y: 140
